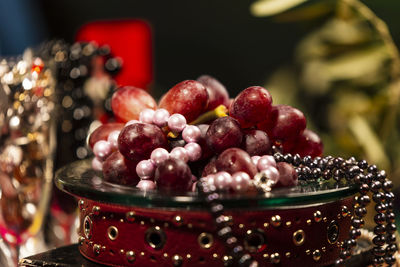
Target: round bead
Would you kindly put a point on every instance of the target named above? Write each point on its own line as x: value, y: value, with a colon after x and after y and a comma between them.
x: 379, y: 251
x: 379, y: 240
x: 113, y: 139
x: 145, y: 169
x: 146, y: 115
x: 379, y: 229
x: 160, y: 117
x: 380, y: 218
x: 191, y: 133
x: 179, y: 153
x: 159, y: 155
x: 240, y: 181
x: 146, y: 185
x: 271, y: 173
x: 193, y: 150
x: 97, y: 165
x: 176, y: 123
x: 222, y: 180
x: 102, y: 149
x: 266, y: 161
x: 255, y: 159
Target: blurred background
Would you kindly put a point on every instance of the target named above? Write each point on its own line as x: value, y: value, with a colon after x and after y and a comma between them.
x: 336, y: 60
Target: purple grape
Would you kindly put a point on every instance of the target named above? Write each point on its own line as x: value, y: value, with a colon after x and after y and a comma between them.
x: 234, y: 160
x: 116, y: 169
x: 173, y: 175
x: 256, y: 142
x: 137, y: 141
x: 287, y: 175
x: 224, y: 133
x: 217, y: 93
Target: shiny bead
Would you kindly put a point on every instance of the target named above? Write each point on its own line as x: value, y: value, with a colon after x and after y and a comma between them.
x: 296, y: 160
x: 113, y: 139
x: 360, y: 211
x: 376, y: 186
x: 363, y: 189
x: 378, y: 261
x: 191, y: 133
x: 353, y: 171
x: 380, y: 218
x: 159, y: 155
x: 145, y: 169
x: 160, y: 117
x: 339, y: 262
x: 146, y: 185
x: 391, y: 249
x: 102, y: 149
x: 146, y: 115
x: 363, y: 164
x: 379, y: 251
x: 176, y: 123
x: 389, y: 196
x: 344, y: 254
x: 193, y: 151
x: 357, y: 223
x: 364, y: 200
x: 355, y: 233
x: 327, y: 174
x: 222, y: 180
x: 379, y: 229
x: 97, y: 165
x: 379, y: 240
x: 391, y: 228
x: 387, y: 185
x: 265, y: 162
x: 372, y: 169
x: 381, y: 176
x: 271, y: 173
x: 390, y: 260
x: 378, y: 197
x: 240, y: 182
x: 390, y: 217
x: 255, y: 159
x: 391, y: 238
x: 179, y: 153
x: 380, y: 208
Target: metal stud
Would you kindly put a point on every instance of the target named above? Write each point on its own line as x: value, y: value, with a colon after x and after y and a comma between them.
x: 276, y: 221
x: 275, y: 258
x: 308, y: 222
x: 299, y: 237
x: 96, y: 210
x: 316, y: 255
x: 345, y: 211
x: 317, y: 216
x: 81, y: 239
x: 81, y: 204
x: 96, y: 249
x: 287, y: 254
x: 177, y: 260
x: 178, y: 220
x: 130, y: 216
x: 130, y: 256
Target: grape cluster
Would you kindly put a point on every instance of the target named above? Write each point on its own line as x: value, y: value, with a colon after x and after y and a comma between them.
x: 196, y: 131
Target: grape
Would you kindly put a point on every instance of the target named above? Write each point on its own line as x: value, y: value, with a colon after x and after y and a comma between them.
x: 116, y: 169
x: 128, y: 101
x: 224, y: 133
x: 234, y: 160
x: 256, y: 142
x: 308, y: 143
x: 137, y: 141
x: 173, y: 175
x: 287, y: 175
x: 217, y: 93
x: 210, y: 168
x: 251, y: 106
x: 188, y: 98
x: 206, y: 152
x: 102, y: 132
x: 286, y: 122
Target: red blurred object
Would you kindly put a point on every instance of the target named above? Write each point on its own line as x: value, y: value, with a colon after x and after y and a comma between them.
x: 130, y: 40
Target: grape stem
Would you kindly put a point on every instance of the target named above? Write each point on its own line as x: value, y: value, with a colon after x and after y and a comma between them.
x: 218, y: 112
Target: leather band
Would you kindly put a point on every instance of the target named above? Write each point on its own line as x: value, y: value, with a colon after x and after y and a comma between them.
x: 118, y: 235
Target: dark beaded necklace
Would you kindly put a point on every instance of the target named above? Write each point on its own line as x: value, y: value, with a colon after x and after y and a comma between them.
x: 368, y: 179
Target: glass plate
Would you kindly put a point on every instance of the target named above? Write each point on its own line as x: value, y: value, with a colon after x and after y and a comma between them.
x: 80, y: 180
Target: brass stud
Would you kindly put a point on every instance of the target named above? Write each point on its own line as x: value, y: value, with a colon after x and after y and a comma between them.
x: 215, y: 255
x: 112, y: 233
x: 91, y: 243
x: 345, y: 211
x: 190, y: 226
x: 316, y: 255
x: 165, y: 255
x: 288, y: 224
x: 308, y: 222
x: 299, y: 237
x: 317, y: 216
x: 96, y: 249
x: 339, y: 216
x: 241, y: 225
x: 177, y: 260
x: 323, y: 249
x: 266, y: 225
x: 226, y: 259
x: 275, y: 258
x: 121, y: 220
x: 205, y: 240
x: 81, y: 204
x: 103, y: 218
x: 142, y: 253
x: 325, y: 219
x: 130, y: 256
x: 96, y: 210
x: 276, y: 221
x: 141, y: 222
x: 103, y: 248
x: 121, y: 251
x: 287, y: 254
x: 178, y: 220
x: 308, y: 252
x: 130, y: 216
x: 188, y: 256
x: 81, y: 239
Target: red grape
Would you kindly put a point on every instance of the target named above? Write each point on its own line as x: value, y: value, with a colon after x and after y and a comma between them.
x: 285, y: 123
x: 224, y: 133
x: 102, y: 132
x: 217, y: 93
x: 251, y: 106
x: 206, y: 152
x: 138, y: 140
x: 128, y: 101
x: 308, y: 143
x: 189, y: 98
x: 210, y: 168
x: 234, y: 160
x: 287, y: 175
x: 173, y: 175
x: 116, y: 170
x: 256, y: 142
